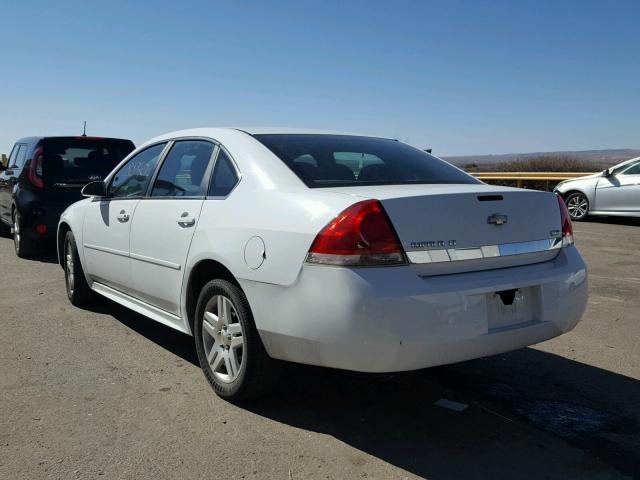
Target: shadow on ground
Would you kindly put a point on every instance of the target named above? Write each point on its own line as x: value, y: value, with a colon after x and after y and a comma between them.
x: 392, y: 417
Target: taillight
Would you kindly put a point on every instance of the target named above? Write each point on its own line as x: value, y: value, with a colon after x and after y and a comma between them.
x: 361, y: 235
x: 35, y: 169
x: 565, y: 221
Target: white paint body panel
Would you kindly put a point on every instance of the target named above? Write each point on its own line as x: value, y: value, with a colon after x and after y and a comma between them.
x: 373, y: 319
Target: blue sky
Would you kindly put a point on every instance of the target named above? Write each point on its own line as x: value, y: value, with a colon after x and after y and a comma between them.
x: 463, y: 77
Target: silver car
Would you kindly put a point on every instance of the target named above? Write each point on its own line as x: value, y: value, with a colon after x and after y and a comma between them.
x: 615, y: 191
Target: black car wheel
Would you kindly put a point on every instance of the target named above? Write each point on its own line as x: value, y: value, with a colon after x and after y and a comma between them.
x: 78, y: 289
x: 25, y: 247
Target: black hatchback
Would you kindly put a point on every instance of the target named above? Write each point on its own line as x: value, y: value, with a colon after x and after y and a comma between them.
x: 44, y: 175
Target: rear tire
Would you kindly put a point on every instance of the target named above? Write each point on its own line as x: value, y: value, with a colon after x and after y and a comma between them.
x: 78, y: 289
x: 25, y: 248
x: 578, y: 206
x: 231, y: 354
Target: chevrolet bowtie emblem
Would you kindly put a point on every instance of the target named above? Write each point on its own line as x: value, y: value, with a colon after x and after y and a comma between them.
x: 497, y: 219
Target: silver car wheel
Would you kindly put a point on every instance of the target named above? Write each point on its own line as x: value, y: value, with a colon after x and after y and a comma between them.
x: 223, y: 339
x: 69, y: 268
x: 578, y: 206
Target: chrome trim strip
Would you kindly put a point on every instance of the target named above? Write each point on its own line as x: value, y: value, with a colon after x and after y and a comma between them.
x: 135, y: 256
x: 113, y: 251
x: 485, y: 251
x: 155, y: 261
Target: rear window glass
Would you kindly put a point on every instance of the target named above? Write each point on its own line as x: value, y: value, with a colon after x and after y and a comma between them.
x: 344, y: 160
x: 79, y: 161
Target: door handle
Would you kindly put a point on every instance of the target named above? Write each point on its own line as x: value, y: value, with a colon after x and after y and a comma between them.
x: 123, y: 216
x: 186, y: 221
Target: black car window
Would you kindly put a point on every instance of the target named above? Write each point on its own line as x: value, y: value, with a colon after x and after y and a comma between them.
x: 80, y: 160
x: 183, y: 171
x: 224, y: 177
x: 347, y: 160
x: 133, y: 177
x: 17, y: 160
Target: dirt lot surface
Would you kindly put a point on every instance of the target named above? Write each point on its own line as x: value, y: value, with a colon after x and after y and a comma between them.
x: 107, y: 393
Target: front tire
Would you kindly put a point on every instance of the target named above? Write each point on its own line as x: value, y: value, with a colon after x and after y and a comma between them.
x: 231, y: 354
x: 578, y: 206
x: 78, y: 290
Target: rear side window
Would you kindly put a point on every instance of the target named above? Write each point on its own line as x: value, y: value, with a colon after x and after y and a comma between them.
x: 20, y: 157
x: 79, y: 160
x: 224, y: 177
x: 133, y: 177
x: 183, y: 171
x: 346, y: 160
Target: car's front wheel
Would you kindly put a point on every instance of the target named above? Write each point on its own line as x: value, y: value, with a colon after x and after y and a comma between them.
x: 229, y: 348
x: 578, y: 206
x: 78, y: 289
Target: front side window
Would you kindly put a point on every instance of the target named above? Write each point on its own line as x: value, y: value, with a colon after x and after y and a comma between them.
x: 224, y: 177
x: 183, y: 171
x: 12, y: 157
x: 133, y: 178
x: 346, y: 160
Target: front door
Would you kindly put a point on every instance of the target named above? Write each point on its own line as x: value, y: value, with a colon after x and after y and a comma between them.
x: 107, y: 224
x: 165, y: 222
x: 620, y: 192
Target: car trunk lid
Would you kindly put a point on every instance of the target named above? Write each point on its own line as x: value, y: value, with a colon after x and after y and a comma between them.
x: 459, y: 228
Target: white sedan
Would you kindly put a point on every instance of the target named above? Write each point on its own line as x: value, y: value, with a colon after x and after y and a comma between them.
x: 337, y: 250
x: 613, y: 192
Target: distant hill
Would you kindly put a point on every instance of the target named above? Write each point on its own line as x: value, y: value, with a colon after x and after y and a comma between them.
x: 597, y: 157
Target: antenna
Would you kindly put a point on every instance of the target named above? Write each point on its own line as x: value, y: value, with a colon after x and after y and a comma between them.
x: 84, y: 129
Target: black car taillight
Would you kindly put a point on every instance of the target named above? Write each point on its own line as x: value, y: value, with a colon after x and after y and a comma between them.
x: 35, y: 169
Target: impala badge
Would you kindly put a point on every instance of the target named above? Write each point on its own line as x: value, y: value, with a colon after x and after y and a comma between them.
x: 497, y: 219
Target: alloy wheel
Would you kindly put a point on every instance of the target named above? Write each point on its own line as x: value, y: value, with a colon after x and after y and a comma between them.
x: 578, y: 206
x: 223, y: 339
x: 69, y: 268
x: 16, y: 232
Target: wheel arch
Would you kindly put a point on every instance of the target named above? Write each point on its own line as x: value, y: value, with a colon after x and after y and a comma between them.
x: 201, y: 273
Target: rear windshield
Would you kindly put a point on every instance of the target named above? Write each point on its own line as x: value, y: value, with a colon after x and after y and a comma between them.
x: 344, y: 160
x: 78, y: 161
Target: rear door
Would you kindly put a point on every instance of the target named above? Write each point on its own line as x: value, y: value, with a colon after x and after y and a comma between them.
x: 108, y: 220
x: 620, y: 192
x: 165, y: 221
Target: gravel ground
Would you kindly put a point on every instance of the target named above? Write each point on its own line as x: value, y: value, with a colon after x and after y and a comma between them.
x: 106, y: 393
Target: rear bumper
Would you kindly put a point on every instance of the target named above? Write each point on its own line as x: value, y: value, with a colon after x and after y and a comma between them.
x: 390, y: 319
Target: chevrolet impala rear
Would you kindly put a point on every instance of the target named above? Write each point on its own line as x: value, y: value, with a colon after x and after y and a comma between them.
x: 424, y: 267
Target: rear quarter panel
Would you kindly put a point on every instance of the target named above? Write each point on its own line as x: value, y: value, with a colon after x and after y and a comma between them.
x: 287, y: 223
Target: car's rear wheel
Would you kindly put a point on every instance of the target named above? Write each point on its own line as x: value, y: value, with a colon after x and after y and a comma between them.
x: 578, y: 206
x: 78, y: 289
x: 229, y: 348
x: 24, y: 247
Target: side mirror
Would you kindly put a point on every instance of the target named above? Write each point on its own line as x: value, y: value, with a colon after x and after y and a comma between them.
x: 608, y: 172
x: 94, y: 189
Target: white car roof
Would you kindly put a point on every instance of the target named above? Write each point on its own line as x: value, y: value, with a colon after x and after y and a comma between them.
x: 219, y: 133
